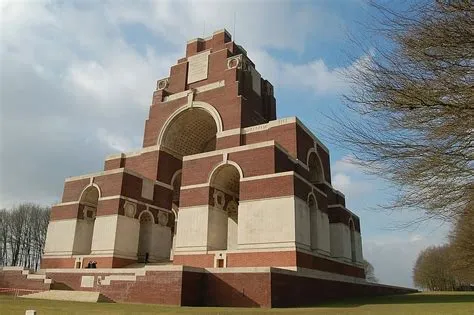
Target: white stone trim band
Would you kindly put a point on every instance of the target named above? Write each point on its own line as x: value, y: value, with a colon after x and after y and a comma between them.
x: 136, y: 201
x: 260, y: 177
x: 269, y: 125
x: 141, y: 151
x: 116, y: 171
x: 199, y: 89
x: 230, y: 150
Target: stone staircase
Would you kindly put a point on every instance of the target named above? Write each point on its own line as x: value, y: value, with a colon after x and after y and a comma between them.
x: 63, y: 295
x: 31, y: 275
x: 24, y: 279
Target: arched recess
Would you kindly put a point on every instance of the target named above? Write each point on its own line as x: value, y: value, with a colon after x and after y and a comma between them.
x: 315, y: 166
x: 85, y: 226
x: 224, y: 216
x: 353, y: 240
x: 191, y: 129
x: 176, y: 184
x: 214, y: 171
x: 313, y: 221
x: 146, y: 220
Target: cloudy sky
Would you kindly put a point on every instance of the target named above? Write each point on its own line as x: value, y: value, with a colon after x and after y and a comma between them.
x: 76, y: 81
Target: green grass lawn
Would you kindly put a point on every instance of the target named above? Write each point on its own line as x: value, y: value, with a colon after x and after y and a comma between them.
x: 419, y: 303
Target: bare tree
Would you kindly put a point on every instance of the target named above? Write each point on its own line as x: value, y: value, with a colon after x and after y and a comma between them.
x: 16, y: 225
x: 433, y: 271
x: 462, y: 246
x: 23, y: 234
x: 411, y: 106
x: 3, y: 237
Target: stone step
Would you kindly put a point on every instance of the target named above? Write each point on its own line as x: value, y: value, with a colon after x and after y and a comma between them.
x: 29, y: 273
x: 63, y: 295
x: 15, y: 268
x: 36, y: 277
x: 142, y: 265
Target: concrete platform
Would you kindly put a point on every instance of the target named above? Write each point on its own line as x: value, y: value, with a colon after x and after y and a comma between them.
x: 63, y: 295
x: 191, y: 286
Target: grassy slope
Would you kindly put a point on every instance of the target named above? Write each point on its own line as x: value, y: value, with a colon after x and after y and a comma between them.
x: 420, y: 303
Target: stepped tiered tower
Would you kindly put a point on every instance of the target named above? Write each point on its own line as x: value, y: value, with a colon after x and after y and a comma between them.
x: 225, y: 205
x: 219, y: 183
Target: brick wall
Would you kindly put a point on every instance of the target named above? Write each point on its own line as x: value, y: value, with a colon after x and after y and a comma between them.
x: 267, y: 288
x: 319, y: 263
x: 284, y: 135
x: 267, y: 188
x: 295, y: 291
x: 15, y: 279
x: 155, y: 287
x: 61, y: 212
x: 102, y: 262
x: 201, y: 261
x: 238, y: 289
x: 73, y: 189
x: 262, y: 259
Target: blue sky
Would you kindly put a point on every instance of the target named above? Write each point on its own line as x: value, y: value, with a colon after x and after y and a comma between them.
x: 77, y: 79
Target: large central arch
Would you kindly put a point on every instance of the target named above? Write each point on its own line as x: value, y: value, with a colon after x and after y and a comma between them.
x: 191, y: 129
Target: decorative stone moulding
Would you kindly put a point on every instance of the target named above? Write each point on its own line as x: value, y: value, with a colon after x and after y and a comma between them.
x: 162, y: 84
x: 232, y: 208
x: 163, y: 218
x: 238, y: 62
x: 234, y: 62
x: 89, y: 213
x: 130, y: 209
x: 219, y: 199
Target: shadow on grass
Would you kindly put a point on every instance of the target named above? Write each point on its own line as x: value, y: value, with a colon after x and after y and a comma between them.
x: 416, y: 298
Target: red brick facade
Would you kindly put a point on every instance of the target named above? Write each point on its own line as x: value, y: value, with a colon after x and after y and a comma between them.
x: 102, y: 262
x: 197, y: 287
x: 273, y: 156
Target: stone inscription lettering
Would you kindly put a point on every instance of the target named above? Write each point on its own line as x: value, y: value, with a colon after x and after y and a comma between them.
x: 198, y: 67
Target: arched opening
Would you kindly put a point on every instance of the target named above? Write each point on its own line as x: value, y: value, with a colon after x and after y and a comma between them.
x: 225, y: 189
x: 313, y: 223
x: 190, y: 132
x: 144, y: 240
x: 315, y: 169
x: 176, y: 184
x: 85, y: 225
x: 353, y: 241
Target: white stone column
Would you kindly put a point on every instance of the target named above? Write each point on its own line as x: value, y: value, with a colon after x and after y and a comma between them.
x: 267, y: 223
x: 60, y: 237
x: 302, y: 224
x: 160, y: 242
x: 192, y: 231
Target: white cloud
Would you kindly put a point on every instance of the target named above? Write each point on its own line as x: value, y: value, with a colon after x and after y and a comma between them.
x: 352, y: 188
x: 349, y: 178
x: 74, y: 87
x: 314, y: 76
x: 281, y: 25
x: 346, y: 164
x: 114, y: 142
x: 77, y: 79
x: 341, y: 182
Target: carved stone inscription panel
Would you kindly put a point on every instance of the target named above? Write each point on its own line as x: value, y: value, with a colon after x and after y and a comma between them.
x: 198, y: 67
